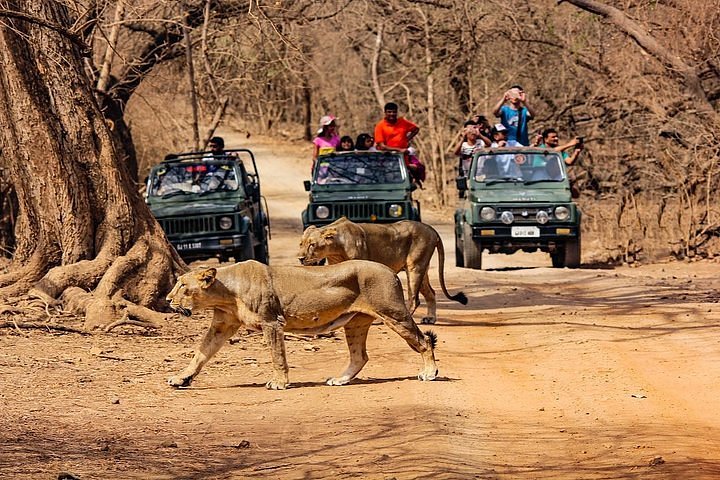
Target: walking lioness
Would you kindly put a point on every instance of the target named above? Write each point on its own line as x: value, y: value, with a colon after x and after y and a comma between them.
x: 302, y: 300
x: 405, y: 245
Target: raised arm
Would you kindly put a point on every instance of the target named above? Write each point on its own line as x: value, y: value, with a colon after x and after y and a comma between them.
x: 498, y: 106
x: 526, y: 104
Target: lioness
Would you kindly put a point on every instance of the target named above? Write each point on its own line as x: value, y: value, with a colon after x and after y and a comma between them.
x: 303, y: 300
x: 405, y: 245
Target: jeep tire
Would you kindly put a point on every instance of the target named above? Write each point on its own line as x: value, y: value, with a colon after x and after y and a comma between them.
x: 472, y: 250
x: 568, y: 255
x: 245, y: 252
x: 572, y: 252
x: 459, y: 258
x: 261, y: 252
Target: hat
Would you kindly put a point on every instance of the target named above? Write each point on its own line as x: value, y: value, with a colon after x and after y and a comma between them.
x: 217, y: 141
x: 325, y: 121
x: 499, y: 127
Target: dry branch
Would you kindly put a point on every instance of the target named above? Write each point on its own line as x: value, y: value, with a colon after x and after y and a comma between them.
x: 43, y: 326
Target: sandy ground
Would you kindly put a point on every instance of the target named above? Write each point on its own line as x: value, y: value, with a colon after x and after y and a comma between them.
x: 545, y: 374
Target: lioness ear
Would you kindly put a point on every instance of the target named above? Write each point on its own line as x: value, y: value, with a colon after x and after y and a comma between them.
x: 311, y: 228
x: 329, y: 233
x: 206, y: 277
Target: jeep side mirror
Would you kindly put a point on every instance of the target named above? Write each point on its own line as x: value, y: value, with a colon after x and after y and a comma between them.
x: 307, y: 184
x: 461, y: 183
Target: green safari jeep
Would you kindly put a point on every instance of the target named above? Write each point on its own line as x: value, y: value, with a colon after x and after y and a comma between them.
x: 363, y: 186
x: 517, y: 199
x: 210, y: 206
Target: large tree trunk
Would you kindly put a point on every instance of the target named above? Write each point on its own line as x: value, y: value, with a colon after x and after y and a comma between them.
x: 83, y: 226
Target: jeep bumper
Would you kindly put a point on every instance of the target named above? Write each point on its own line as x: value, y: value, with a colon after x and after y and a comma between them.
x: 511, y: 238
x: 205, y: 247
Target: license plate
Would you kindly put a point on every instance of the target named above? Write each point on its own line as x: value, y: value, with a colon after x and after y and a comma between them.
x: 188, y: 246
x: 525, y: 232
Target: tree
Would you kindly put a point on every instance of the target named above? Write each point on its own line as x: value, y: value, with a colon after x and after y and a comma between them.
x: 84, y: 234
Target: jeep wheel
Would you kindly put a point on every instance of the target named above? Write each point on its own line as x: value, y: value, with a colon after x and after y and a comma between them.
x: 246, y: 252
x: 472, y: 250
x: 261, y: 253
x: 572, y: 253
x: 459, y: 259
x: 568, y: 255
x: 558, y: 258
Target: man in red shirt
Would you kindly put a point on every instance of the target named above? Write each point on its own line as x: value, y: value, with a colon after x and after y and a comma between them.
x: 392, y: 133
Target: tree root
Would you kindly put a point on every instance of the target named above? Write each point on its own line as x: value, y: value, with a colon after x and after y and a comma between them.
x: 110, y: 290
x: 126, y: 320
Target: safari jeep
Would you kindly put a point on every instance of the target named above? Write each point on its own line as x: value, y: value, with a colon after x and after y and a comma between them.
x: 210, y: 206
x: 363, y: 186
x: 517, y: 199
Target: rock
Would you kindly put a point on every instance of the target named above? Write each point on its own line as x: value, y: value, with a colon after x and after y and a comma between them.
x: 67, y: 476
x: 169, y: 444
x: 115, y: 401
x: 656, y: 461
x: 243, y: 444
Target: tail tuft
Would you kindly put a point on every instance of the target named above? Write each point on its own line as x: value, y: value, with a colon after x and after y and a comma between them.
x: 432, y: 338
x: 460, y: 297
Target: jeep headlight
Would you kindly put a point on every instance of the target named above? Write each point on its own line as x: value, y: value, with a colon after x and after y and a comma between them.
x: 507, y: 217
x: 542, y: 217
x: 395, y: 210
x: 562, y: 213
x: 322, y: 212
x: 487, y: 213
x: 225, y: 223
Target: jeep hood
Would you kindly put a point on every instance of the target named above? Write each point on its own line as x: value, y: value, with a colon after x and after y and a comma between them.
x: 521, y: 195
x: 165, y: 208
x: 356, y: 194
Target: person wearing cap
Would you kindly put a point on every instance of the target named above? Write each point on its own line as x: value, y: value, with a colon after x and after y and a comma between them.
x: 327, y: 139
x: 394, y: 133
x: 515, y: 115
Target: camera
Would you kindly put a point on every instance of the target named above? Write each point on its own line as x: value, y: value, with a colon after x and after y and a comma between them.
x: 580, y: 140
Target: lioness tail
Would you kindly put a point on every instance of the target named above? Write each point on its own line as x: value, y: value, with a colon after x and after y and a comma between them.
x: 458, y: 297
x: 432, y: 338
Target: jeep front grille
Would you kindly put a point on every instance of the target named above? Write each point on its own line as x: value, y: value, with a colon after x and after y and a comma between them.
x: 178, y: 226
x: 358, y: 210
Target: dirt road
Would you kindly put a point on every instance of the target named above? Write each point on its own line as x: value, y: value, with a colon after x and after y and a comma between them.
x: 545, y: 374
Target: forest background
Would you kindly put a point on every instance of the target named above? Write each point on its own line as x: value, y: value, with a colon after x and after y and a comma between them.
x: 640, y: 80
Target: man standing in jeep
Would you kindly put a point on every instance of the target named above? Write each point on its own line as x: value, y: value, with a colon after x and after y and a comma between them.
x: 394, y: 134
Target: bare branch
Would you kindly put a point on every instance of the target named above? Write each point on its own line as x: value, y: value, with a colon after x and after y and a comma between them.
x: 650, y: 45
x: 77, y: 40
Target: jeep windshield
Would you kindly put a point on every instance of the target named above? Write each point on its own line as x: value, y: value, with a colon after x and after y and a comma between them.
x: 527, y: 167
x: 193, y: 178
x: 355, y: 168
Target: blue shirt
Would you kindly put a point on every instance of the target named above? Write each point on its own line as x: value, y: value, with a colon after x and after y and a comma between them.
x: 516, y: 122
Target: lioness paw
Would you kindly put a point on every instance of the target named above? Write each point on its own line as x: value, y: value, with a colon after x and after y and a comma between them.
x: 428, y: 320
x: 274, y: 385
x: 179, y: 381
x: 427, y: 377
x: 334, y: 382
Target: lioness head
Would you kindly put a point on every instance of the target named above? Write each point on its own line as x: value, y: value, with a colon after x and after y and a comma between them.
x: 316, y: 244
x: 189, y: 290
